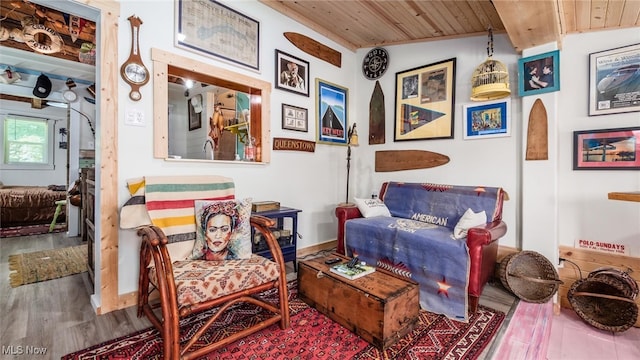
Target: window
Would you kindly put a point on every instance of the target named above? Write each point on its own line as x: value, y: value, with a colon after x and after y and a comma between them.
x: 28, y: 142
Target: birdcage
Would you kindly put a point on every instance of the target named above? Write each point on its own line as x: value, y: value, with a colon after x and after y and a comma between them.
x: 490, y: 80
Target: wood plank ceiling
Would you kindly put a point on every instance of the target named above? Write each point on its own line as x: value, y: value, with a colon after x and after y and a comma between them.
x: 368, y: 23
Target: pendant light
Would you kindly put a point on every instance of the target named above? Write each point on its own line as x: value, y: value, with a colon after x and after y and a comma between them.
x: 490, y: 80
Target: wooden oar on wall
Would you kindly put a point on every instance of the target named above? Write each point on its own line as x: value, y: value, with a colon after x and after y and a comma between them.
x: 537, y: 133
x: 314, y: 48
x: 396, y: 160
x: 376, y: 116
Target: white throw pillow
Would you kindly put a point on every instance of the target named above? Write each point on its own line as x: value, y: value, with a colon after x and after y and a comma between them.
x: 372, y: 207
x: 468, y: 220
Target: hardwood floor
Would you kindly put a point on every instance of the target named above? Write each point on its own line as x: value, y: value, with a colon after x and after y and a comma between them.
x: 57, y: 316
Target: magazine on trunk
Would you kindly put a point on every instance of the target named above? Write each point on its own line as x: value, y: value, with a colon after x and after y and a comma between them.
x: 354, y: 272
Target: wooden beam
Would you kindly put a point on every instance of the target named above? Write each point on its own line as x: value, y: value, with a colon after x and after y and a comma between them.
x: 530, y: 23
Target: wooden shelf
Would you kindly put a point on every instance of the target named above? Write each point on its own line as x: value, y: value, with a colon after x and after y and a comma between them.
x: 626, y: 196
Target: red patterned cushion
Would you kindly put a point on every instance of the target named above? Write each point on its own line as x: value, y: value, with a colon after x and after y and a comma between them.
x: 201, y: 280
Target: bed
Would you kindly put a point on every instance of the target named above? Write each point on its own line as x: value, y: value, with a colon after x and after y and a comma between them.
x: 30, y: 205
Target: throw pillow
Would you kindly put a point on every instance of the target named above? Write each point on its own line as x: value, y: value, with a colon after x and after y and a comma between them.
x: 223, y: 230
x: 372, y: 207
x: 469, y: 219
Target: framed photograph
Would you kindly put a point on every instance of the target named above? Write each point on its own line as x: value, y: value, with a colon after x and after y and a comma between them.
x: 331, y: 113
x: 195, y: 112
x: 614, y: 81
x: 487, y: 120
x: 211, y: 28
x: 425, y: 98
x: 539, y: 74
x: 607, y: 149
x: 292, y: 73
x: 294, y: 118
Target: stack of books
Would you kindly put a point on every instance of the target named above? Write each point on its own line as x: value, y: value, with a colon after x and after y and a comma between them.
x: 354, y: 272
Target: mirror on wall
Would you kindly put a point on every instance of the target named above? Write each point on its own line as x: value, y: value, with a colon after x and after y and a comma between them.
x: 206, y: 113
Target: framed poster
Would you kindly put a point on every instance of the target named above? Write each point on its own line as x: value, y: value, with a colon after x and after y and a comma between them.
x: 292, y: 73
x: 294, y: 118
x: 539, y: 74
x: 614, y: 81
x: 487, y: 120
x: 331, y: 113
x: 425, y: 98
x: 607, y: 149
x: 214, y: 29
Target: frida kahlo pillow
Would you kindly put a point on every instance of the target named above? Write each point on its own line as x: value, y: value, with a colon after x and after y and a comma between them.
x: 223, y: 230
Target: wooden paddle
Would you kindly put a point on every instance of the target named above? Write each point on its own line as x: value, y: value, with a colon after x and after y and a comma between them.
x: 376, y: 116
x: 396, y: 160
x: 537, y: 139
x: 315, y: 48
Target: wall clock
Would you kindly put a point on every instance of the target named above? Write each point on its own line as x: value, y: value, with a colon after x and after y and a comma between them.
x: 133, y: 70
x: 375, y: 63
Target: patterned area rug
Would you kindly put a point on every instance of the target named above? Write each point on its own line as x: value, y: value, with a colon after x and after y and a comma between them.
x: 45, y: 265
x: 27, y: 230
x: 313, y: 336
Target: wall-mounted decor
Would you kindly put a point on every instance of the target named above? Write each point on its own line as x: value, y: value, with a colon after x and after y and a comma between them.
x: 487, y: 120
x: 293, y: 144
x: 607, y: 149
x: 331, y: 113
x: 195, y: 112
x: 294, y: 118
x: 539, y: 74
x: 537, y: 133
x: 292, y: 73
x: 214, y: 29
x: 425, y: 98
x: 614, y: 81
x: 315, y: 48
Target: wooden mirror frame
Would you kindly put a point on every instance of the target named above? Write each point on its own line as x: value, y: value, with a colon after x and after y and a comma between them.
x: 259, y: 92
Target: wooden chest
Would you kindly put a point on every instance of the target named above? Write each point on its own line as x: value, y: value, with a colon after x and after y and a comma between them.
x: 379, y: 307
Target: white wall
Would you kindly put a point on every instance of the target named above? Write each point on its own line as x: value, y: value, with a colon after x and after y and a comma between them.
x: 312, y: 182
x: 585, y: 213
x: 489, y: 162
x: 315, y: 182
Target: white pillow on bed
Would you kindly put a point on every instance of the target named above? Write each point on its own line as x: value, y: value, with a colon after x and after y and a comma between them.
x: 469, y: 219
x: 372, y: 207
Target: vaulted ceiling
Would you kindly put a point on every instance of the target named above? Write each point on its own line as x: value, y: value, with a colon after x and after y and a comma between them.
x: 368, y: 23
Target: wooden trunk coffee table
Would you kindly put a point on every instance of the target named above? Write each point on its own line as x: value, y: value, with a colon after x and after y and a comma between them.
x: 380, y: 307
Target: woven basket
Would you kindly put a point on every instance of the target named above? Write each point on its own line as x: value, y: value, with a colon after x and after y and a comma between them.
x: 529, y: 276
x: 605, y: 300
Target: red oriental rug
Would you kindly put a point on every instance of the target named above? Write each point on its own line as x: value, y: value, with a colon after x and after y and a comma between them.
x: 314, y: 336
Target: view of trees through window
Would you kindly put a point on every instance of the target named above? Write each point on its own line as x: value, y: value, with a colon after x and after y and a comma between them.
x: 26, y: 141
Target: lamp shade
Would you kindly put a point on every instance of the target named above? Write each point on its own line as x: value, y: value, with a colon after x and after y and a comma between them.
x: 490, y: 81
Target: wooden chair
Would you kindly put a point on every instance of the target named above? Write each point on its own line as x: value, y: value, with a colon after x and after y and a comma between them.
x: 235, y: 282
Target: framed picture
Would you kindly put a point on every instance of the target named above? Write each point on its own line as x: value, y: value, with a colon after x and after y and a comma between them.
x: 294, y: 118
x: 614, y: 81
x: 195, y: 112
x: 607, y: 149
x: 212, y: 28
x: 425, y: 98
x: 331, y: 113
x: 292, y: 74
x: 487, y: 120
x: 539, y: 74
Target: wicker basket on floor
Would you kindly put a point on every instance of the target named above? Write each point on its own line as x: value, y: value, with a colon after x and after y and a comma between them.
x: 606, y: 299
x: 529, y: 276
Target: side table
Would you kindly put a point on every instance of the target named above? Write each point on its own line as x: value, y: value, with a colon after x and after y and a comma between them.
x: 286, y: 234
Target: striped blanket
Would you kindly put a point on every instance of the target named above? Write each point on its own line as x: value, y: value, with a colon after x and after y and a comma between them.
x: 168, y: 202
